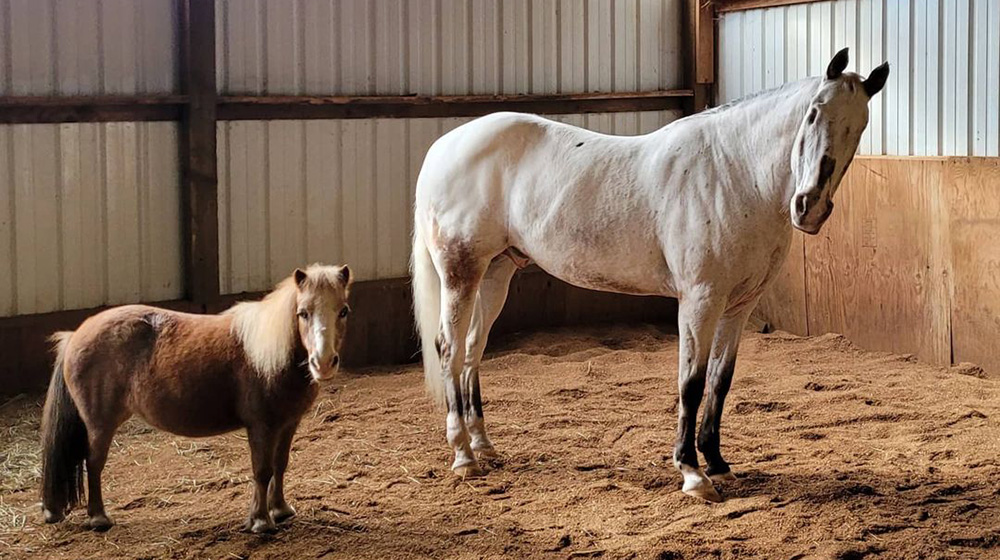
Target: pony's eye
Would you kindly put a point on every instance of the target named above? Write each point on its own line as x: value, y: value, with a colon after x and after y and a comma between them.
x: 303, y: 314
x: 344, y: 312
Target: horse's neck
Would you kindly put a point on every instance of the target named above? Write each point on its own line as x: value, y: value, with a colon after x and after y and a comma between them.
x: 759, y: 135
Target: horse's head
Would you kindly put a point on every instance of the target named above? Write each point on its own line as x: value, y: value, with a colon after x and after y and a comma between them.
x: 828, y: 138
x: 321, y: 308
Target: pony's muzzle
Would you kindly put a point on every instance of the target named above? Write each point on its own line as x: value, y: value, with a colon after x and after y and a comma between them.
x: 323, y: 369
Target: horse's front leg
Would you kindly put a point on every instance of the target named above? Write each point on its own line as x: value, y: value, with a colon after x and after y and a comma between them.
x: 720, y: 377
x: 697, y: 317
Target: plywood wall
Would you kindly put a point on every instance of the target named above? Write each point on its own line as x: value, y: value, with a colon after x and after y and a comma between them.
x: 907, y: 262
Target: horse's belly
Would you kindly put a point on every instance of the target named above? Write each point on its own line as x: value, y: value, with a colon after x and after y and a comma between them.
x: 189, y: 405
x: 628, y: 271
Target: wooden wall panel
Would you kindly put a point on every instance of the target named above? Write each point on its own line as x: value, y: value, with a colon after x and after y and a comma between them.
x: 907, y: 262
x: 973, y: 197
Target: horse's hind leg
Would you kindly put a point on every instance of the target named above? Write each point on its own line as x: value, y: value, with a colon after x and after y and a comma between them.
x: 278, y: 507
x: 697, y: 317
x: 462, y: 274
x: 489, y: 303
x: 720, y: 377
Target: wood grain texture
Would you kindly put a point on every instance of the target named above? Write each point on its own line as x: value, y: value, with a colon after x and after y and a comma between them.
x: 973, y: 204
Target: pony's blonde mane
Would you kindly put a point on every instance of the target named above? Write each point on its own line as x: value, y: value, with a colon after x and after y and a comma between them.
x: 266, y: 328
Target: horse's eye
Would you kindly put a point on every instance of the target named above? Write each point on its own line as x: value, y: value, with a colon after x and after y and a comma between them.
x: 812, y: 116
x: 344, y: 312
x: 303, y: 314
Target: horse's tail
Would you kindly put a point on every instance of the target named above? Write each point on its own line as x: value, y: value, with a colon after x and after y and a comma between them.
x: 427, y: 308
x: 64, y: 442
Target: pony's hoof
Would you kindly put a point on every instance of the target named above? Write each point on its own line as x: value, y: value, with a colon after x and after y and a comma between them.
x: 727, y: 476
x: 99, y: 523
x: 52, y: 517
x: 260, y: 526
x: 469, y: 471
x: 282, y: 513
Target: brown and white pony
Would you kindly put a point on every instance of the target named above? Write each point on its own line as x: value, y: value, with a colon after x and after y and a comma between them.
x: 701, y: 210
x: 255, y: 366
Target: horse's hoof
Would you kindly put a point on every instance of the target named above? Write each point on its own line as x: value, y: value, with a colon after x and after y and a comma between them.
x: 52, y: 517
x: 99, y: 523
x: 260, y: 526
x: 487, y: 453
x: 469, y: 471
x: 727, y: 476
x: 706, y: 492
x: 282, y: 513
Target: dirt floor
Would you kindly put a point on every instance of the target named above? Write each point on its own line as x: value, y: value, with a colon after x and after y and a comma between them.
x: 840, y: 454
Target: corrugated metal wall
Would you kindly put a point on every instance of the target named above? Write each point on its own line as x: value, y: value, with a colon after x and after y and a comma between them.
x: 941, y: 98
x: 89, y: 213
x: 292, y: 192
x: 341, y: 191
x: 431, y: 47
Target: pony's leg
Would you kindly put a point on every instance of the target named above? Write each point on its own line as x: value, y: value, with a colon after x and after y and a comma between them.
x: 489, y: 303
x: 279, y: 508
x: 262, y: 445
x: 99, y: 442
x: 720, y: 377
x: 457, y: 303
x: 697, y: 317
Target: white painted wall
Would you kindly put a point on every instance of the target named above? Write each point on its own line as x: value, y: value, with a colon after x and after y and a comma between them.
x: 89, y: 215
x: 942, y: 94
x: 431, y: 47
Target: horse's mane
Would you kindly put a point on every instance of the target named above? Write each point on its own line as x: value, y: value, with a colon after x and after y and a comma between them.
x: 782, y: 90
x: 267, y: 329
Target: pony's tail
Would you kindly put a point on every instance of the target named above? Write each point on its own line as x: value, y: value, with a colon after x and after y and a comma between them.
x: 64, y: 442
x: 427, y: 309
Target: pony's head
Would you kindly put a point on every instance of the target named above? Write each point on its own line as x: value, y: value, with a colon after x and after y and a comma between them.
x: 828, y: 138
x: 321, y: 311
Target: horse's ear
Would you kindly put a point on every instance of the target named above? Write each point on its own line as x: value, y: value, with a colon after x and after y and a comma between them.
x: 300, y: 277
x: 876, y: 80
x: 345, y: 275
x: 837, y: 65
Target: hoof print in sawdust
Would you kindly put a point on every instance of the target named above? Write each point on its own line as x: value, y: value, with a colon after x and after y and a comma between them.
x: 747, y: 407
x: 669, y: 555
x: 857, y: 553
x: 817, y: 386
x: 563, y: 542
x: 811, y: 436
x: 569, y: 394
x: 984, y: 542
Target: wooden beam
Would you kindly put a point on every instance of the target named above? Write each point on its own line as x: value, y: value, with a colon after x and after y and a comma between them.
x: 197, y: 151
x: 704, y: 34
x: 277, y: 107
x: 37, y: 110
x: 697, y: 28
x: 737, y: 5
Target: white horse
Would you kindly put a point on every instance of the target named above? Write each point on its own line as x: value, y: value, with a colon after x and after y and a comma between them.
x: 701, y: 210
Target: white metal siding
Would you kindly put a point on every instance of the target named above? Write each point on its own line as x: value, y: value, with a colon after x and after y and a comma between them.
x: 89, y: 215
x: 294, y: 192
x: 431, y: 47
x: 84, y: 47
x: 941, y: 97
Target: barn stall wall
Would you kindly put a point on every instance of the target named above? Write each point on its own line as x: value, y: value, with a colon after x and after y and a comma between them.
x: 902, y: 265
x: 102, y: 105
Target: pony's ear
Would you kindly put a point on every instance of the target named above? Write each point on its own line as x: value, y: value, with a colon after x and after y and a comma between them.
x: 837, y: 65
x: 345, y: 275
x: 300, y: 277
x: 876, y: 80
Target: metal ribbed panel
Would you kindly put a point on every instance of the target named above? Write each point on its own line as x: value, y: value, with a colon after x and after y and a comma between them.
x: 84, y: 47
x: 89, y: 215
x: 292, y: 192
x: 945, y: 54
x: 434, y: 47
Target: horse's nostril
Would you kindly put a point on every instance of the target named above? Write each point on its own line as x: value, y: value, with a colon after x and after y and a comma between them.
x: 801, y: 203
x: 335, y: 361
x: 314, y: 362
